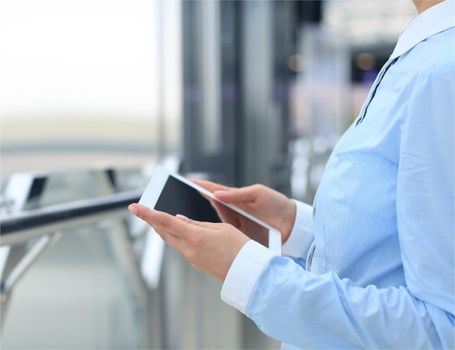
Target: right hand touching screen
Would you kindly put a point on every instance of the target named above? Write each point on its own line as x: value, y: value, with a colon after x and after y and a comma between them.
x: 266, y: 204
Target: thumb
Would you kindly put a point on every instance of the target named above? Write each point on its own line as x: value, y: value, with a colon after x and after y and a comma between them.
x: 236, y: 195
x: 193, y: 222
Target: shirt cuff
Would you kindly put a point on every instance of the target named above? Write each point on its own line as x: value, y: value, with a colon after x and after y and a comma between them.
x: 301, y: 236
x: 243, y: 274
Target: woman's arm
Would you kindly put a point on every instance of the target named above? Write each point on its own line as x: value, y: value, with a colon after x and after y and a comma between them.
x: 313, y: 311
x: 323, y: 311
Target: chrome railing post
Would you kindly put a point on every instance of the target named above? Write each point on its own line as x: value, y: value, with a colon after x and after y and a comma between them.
x: 22, y: 190
x: 122, y: 246
x: 21, y: 268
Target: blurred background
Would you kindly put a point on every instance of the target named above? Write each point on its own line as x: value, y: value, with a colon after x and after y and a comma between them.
x: 93, y: 94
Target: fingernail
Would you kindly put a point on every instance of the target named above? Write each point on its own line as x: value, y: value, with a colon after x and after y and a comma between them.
x: 219, y: 193
x: 183, y: 218
x: 132, y: 208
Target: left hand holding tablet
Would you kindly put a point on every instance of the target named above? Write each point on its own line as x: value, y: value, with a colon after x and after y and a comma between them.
x: 209, y: 247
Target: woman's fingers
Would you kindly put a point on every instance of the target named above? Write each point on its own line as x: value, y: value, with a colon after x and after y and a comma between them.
x: 194, y: 222
x: 237, y: 195
x: 163, y: 221
x: 183, y: 218
x: 210, y: 186
x: 208, y: 247
x: 226, y: 214
x: 173, y: 241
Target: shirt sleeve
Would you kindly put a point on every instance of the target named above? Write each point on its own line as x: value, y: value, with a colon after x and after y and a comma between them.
x: 252, y: 258
x: 325, y: 311
x: 243, y: 274
x: 301, y: 235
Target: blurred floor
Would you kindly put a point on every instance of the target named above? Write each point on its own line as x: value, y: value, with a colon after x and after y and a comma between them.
x: 73, y: 298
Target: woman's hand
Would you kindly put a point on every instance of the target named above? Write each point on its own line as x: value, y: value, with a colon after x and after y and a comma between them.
x: 266, y: 204
x: 208, y: 247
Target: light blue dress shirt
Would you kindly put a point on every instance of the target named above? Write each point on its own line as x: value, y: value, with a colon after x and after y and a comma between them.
x: 372, y: 265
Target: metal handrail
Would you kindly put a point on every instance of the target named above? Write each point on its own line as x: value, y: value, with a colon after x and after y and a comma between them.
x: 34, y: 223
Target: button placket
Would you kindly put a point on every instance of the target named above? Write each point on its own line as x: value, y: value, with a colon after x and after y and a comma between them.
x: 374, y: 89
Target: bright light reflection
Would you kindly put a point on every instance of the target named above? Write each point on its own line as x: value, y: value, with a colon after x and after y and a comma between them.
x: 57, y: 56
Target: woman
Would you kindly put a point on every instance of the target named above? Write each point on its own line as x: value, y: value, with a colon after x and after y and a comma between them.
x: 371, y: 264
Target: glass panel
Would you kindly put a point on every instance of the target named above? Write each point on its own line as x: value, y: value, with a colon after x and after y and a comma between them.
x: 75, y: 297
x: 79, y: 83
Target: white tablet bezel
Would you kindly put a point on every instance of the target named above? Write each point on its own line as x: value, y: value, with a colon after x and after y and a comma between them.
x: 158, y: 180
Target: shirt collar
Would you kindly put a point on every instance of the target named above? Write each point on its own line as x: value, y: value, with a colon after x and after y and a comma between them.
x: 434, y: 20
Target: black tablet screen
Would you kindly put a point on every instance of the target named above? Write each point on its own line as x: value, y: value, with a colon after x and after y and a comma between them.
x: 179, y: 198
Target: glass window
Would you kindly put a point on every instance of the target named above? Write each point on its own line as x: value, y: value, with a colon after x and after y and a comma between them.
x: 83, y: 82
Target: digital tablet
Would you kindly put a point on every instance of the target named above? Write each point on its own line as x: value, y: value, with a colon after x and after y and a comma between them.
x: 173, y: 194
